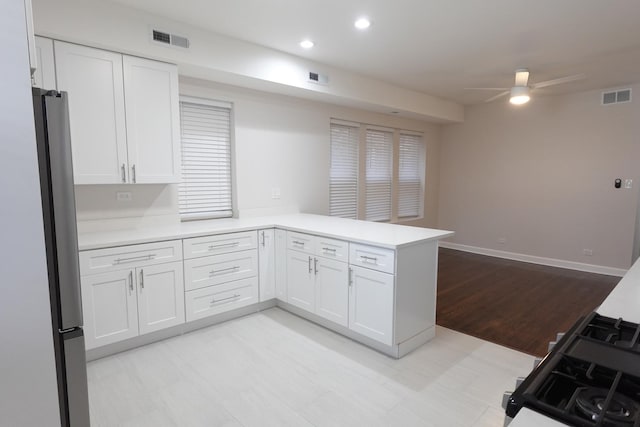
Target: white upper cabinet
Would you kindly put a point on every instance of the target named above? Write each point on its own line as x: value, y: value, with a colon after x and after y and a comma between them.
x: 151, y: 106
x: 93, y: 79
x: 45, y: 75
x: 123, y: 115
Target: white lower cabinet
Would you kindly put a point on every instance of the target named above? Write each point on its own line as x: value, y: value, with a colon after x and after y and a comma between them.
x: 332, y: 291
x: 281, y: 264
x: 371, y: 304
x: 267, y: 264
x: 127, y: 303
x: 160, y: 296
x: 300, y: 280
x: 110, y: 308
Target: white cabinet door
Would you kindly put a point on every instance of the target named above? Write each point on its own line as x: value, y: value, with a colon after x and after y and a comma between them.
x: 160, y: 296
x: 300, y: 280
x: 371, y: 304
x: 332, y: 290
x: 45, y: 75
x: 109, y: 308
x: 153, y: 133
x: 267, y: 264
x: 281, y: 264
x: 93, y: 79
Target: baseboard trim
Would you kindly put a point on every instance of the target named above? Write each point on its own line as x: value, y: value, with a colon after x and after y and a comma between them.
x: 552, y: 262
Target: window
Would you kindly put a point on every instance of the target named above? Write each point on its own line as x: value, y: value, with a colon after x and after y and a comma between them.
x: 410, y: 190
x: 343, y: 174
x: 376, y: 174
x: 379, y: 169
x: 205, y: 189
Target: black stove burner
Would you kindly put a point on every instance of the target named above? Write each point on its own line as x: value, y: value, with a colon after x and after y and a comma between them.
x: 620, y: 411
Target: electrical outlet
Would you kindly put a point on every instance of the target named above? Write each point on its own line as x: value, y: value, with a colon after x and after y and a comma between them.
x: 587, y: 252
x: 502, y: 240
x: 275, y: 193
x: 628, y: 183
x: 124, y: 196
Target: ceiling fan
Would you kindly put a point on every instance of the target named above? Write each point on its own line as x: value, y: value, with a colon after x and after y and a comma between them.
x: 520, y: 92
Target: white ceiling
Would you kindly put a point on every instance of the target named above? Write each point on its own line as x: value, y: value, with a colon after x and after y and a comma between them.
x: 438, y: 47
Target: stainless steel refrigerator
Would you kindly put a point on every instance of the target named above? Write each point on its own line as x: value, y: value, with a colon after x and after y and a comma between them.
x: 59, y: 211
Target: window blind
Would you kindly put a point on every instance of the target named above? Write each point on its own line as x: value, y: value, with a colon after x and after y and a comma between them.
x: 205, y: 189
x: 410, y: 188
x: 379, y: 167
x: 343, y: 174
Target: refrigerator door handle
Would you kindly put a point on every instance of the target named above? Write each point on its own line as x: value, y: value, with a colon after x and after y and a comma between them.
x: 63, y: 208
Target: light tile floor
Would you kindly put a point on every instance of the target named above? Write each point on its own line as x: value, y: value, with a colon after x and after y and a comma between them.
x: 275, y: 369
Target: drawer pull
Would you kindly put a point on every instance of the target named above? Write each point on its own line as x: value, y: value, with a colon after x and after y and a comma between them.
x: 224, y: 245
x: 215, y: 301
x: 133, y: 259
x: 369, y: 259
x: 224, y: 270
x: 332, y: 250
x: 310, y: 268
x: 296, y: 242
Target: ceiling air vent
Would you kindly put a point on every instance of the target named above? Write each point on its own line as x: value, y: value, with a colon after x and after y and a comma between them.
x: 616, y: 97
x: 318, y: 78
x: 169, y: 39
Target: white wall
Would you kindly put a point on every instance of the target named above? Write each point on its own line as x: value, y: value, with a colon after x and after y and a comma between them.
x: 541, y: 176
x: 28, y: 393
x: 280, y: 141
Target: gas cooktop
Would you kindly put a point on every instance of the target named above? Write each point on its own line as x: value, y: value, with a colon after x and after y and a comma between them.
x: 591, y: 378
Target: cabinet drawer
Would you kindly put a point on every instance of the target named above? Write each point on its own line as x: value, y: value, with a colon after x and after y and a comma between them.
x: 124, y: 257
x: 301, y: 242
x: 331, y: 248
x: 218, y: 299
x: 372, y: 257
x: 219, y: 244
x: 217, y: 269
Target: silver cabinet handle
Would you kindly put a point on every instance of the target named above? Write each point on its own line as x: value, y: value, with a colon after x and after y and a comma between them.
x: 310, y: 268
x: 214, y: 272
x: 350, y: 277
x: 124, y: 176
x: 224, y: 245
x: 369, y: 259
x: 296, y: 242
x: 130, y: 281
x: 141, y: 280
x: 331, y: 250
x: 263, y: 238
x: 214, y: 301
x: 133, y: 172
x: 133, y: 259
x: 315, y: 266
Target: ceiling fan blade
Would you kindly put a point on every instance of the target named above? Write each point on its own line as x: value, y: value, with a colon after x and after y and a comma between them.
x: 522, y: 77
x: 486, y: 88
x: 558, y: 81
x: 500, y: 95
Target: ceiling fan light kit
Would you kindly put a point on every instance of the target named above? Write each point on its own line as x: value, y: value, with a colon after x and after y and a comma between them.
x: 519, y: 95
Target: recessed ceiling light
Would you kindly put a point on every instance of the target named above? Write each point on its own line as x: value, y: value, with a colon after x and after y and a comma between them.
x: 306, y: 44
x: 362, y: 24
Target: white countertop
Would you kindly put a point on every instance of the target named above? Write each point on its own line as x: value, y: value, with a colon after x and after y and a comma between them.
x: 624, y: 300
x: 379, y: 234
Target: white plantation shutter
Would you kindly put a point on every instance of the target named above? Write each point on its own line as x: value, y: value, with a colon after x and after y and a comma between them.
x: 343, y: 175
x: 205, y: 189
x: 410, y: 189
x: 379, y: 167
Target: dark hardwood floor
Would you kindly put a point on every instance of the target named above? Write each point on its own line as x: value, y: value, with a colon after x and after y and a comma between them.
x: 515, y: 304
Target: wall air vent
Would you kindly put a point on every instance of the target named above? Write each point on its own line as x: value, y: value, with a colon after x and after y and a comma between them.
x: 616, y: 97
x: 318, y: 78
x: 169, y: 39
